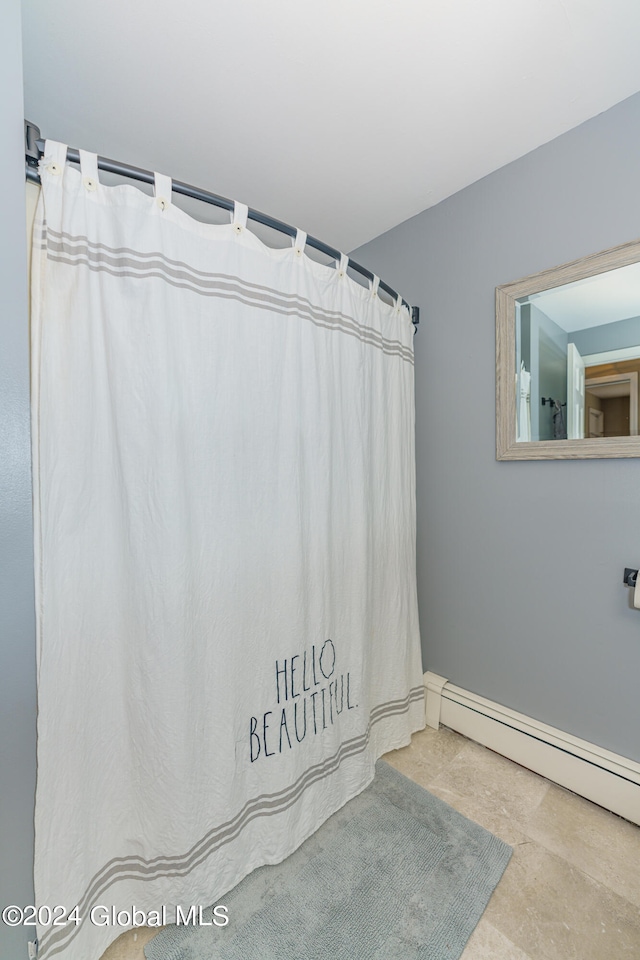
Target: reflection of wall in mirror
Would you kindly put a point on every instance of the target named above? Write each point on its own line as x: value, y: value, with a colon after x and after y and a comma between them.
x: 543, y: 350
x: 607, y: 336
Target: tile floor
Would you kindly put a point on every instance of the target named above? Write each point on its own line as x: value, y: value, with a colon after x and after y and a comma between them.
x: 572, y: 888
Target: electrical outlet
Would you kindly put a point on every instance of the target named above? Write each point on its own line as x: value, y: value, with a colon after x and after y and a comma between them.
x: 32, y: 947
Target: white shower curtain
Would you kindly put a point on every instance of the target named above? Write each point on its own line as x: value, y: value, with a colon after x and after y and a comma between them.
x: 225, y: 550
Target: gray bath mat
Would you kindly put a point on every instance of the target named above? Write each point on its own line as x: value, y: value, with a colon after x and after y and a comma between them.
x: 396, y: 874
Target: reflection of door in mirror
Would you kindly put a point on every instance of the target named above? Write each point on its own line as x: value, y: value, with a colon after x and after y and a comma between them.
x: 595, y: 421
x: 575, y: 393
x: 614, y: 393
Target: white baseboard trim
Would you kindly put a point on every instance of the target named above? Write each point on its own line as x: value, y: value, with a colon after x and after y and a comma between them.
x: 605, y: 778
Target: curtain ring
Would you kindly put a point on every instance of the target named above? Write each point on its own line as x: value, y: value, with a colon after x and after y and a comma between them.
x: 54, y: 158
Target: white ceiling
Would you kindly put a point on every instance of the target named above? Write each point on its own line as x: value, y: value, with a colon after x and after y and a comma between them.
x: 342, y: 117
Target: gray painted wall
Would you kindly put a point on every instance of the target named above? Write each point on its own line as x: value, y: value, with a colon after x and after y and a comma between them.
x: 17, y: 619
x: 520, y: 564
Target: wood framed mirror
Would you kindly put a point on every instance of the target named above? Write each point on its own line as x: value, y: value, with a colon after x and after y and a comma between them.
x: 568, y: 358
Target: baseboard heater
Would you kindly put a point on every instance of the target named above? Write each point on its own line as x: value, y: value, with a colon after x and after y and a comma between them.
x: 605, y: 778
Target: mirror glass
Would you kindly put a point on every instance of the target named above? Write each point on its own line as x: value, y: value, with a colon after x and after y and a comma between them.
x: 578, y: 359
x: 568, y: 360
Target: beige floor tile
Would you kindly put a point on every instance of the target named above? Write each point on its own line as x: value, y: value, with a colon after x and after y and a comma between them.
x: 487, y: 943
x: 552, y: 911
x: 599, y: 843
x: 130, y: 945
x: 429, y: 752
x: 482, y: 813
x: 496, y: 785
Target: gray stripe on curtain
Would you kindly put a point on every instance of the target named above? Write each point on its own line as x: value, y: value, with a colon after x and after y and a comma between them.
x: 125, y: 262
x: 263, y: 806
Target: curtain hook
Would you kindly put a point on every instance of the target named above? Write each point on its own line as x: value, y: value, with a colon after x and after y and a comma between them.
x: 299, y: 242
x: 89, y: 170
x: 162, y: 187
x: 240, y: 214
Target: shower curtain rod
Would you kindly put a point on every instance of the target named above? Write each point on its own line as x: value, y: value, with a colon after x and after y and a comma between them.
x: 34, y: 149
